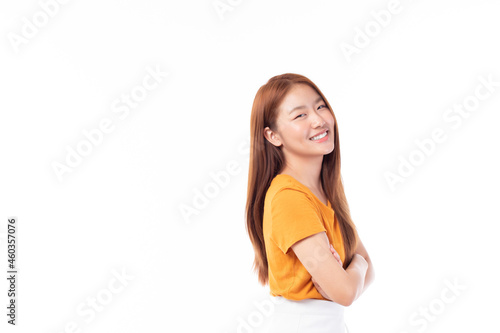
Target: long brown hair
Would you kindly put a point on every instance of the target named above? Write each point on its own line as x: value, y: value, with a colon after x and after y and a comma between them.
x: 267, y: 160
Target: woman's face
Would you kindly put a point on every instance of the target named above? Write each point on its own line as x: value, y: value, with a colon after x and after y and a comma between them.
x: 302, y: 116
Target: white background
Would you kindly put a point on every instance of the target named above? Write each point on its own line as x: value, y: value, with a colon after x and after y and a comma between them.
x: 119, y: 209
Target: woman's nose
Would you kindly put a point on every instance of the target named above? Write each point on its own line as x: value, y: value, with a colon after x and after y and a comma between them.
x: 318, y: 121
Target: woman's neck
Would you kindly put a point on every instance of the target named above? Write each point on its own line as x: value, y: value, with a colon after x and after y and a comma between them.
x: 309, y: 175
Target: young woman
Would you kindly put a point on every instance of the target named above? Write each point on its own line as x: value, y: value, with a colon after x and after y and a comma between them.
x: 306, y: 245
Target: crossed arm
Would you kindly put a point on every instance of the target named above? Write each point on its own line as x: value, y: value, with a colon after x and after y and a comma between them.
x: 370, y: 273
x: 332, y: 281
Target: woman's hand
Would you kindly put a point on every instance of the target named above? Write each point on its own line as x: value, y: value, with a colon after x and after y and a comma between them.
x: 337, y: 256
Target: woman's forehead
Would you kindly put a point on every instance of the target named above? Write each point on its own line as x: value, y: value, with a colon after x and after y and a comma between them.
x: 300, y: 96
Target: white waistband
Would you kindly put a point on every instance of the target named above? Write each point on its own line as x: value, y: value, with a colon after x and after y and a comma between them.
x: 307, y: 306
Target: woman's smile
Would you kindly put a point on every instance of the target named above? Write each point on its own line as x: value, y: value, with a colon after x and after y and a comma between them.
x: 320, y: 137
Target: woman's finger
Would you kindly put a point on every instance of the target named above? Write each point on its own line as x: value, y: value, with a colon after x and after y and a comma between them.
x: 335, y: 254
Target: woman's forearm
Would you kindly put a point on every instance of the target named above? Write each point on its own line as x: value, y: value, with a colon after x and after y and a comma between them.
x: 360, y: 273
x: 357, y: 272
x: 370, y: 273
x: 369, y: 277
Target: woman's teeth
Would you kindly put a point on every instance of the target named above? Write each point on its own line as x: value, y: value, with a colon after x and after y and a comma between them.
x: 321, y: 136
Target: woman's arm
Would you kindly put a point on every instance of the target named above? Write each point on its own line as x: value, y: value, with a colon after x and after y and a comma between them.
x: 341, y: 286
x: 370, y: 272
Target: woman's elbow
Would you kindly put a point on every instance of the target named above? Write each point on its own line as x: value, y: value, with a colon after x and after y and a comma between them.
x: 346, y: 300
x: 350, y: 297
x: 344, y: 297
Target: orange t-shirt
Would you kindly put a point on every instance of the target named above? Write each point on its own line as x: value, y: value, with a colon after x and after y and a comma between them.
x: 291, y: 213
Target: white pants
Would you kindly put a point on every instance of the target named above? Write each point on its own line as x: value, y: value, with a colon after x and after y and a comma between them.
x: 306, y: 316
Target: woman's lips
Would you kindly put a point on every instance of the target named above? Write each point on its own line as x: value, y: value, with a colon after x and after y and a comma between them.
x: 323, y: 139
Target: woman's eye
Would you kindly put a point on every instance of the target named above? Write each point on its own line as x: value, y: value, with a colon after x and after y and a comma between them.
x: 303, y: 114
x: 321, y: 106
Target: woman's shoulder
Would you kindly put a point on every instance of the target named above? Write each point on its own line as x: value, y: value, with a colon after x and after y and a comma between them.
x: 283, y: 183
x: 284, y: 180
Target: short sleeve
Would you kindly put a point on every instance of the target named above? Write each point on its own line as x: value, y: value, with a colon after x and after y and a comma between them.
x: 294, y: 217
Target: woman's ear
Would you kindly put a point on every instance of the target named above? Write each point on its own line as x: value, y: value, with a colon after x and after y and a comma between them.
x: 272, y: 137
